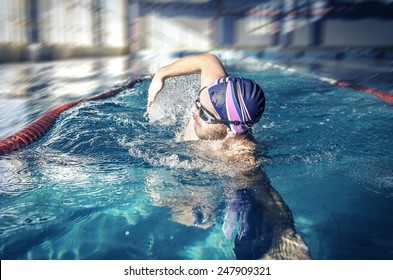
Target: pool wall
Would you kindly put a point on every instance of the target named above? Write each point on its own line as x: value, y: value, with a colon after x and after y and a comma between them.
x: 35, y: 31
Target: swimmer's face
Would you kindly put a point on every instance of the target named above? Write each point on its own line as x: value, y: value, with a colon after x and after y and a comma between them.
x: 204, y: 130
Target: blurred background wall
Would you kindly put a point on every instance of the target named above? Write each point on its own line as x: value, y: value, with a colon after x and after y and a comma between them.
x: 33, y: 30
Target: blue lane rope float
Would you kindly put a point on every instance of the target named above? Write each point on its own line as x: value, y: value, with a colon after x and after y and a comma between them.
x: 37, y: 129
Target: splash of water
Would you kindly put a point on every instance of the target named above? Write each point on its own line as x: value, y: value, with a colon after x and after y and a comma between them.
x: 174, y: 102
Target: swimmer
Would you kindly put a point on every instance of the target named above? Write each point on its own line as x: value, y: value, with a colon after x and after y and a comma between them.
x: 226, y: 110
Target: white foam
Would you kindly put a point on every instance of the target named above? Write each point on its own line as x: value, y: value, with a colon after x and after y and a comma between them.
x: 328, y: 80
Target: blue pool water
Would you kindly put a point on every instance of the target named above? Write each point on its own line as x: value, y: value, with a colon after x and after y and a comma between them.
x: 112, y: 180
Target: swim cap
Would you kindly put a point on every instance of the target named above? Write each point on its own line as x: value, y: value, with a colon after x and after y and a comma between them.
x: 238, y: 99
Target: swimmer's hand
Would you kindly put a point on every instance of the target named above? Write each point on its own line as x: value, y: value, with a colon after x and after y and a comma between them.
x: 155, y: 87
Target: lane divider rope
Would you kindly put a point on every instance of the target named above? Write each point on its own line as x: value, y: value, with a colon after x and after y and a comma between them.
x: 383, y: 95
x: 38, y: 128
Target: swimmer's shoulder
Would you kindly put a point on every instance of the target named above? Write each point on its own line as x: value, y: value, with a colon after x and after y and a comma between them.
x: 242, y: 152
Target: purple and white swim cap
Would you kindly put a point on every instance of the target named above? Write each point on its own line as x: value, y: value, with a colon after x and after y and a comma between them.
x: 237, y: 99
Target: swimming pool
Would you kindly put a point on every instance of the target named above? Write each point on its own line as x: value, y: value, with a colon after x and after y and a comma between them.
x: 113, y: 180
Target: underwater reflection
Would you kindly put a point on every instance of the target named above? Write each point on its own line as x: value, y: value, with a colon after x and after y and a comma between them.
x: 251, y: 213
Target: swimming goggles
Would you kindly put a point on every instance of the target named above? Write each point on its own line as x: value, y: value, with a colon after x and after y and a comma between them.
x: 209, y: 118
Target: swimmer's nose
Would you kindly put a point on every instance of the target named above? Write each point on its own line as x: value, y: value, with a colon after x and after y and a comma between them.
x: 195, y: 115
x: 194, y: 111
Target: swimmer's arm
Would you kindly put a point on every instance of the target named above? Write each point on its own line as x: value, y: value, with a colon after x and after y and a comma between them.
x: 287, y: 244
x: 277, y: 213
x: 243, y: 156
x: 208, y: 65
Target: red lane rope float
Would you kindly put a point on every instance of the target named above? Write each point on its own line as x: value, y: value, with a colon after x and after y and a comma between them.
x: 379, y: 93
x: 37, y: 129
